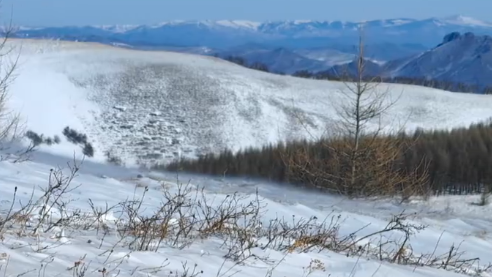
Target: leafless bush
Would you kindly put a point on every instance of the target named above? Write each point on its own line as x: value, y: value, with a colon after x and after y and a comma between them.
x: 186, y: 271
x: 79, y: 269
x: 112, y: 158
x: 11, y: 128
x: 302, y: 234
x: 172, y: 222
x: 187, y: 214
x: 314, y: 265
x: 38, y: 213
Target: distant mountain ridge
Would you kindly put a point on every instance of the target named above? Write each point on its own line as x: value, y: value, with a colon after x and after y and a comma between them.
x: 465, y: 58
x: 397, y: 47
x: 461, y: 58
x: 291, y: 34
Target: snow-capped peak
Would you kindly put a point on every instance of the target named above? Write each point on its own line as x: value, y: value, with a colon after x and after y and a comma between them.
x: 301, y: 21
x: 291, y: 25
x: 465, y: 20
x: 240, y: 24
x: 117, y: 28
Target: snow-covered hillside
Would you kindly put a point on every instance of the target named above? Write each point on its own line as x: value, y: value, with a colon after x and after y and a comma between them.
x: 156, y: 105
x: 464, y: 58
x: 111, y: 221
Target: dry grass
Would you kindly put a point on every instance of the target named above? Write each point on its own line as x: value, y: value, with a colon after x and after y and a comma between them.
x: 187, y: 215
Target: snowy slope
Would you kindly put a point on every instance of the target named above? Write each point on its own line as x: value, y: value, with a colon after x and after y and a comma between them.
x: 465, y: 58
x: 92, y: 244
x: 143, y: 105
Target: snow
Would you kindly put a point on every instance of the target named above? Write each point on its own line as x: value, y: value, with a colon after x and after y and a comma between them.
x: 117, y: 28
x: 201, y: 104
x: 397, y: 22
x: 50, y: 93
x: 55, y: 252
x: 302, y: 21
x: 465, y: 21
x: 239, y: 23
x: 459, y: 20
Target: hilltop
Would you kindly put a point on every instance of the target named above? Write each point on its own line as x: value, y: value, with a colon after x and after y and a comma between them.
x: 157, y: 105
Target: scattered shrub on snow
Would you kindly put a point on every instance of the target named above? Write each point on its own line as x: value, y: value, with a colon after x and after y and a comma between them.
x: 78, y: 138
x: 187, y: 215
x: 88, y: 150
x: 37, y: 139
x: 113, y: 159
x: 74, y: 136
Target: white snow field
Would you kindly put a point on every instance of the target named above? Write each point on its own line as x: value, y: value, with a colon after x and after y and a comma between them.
x: 148, y: 106
x: 110, y: 221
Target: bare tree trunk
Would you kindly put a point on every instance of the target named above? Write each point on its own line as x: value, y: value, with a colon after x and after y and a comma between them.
x: 10, y: 127
x: 360, y: 71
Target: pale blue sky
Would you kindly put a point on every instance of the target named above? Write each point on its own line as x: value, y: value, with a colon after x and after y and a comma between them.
x: 84, y: 12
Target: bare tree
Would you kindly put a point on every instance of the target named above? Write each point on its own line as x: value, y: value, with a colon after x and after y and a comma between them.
x: 10, y: 127
x: 364, y: 102
x: 359, y: 159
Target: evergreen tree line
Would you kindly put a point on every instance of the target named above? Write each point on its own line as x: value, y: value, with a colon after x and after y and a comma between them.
x: 242, y: 62
x: 457, y: 161
x: 430, y: 83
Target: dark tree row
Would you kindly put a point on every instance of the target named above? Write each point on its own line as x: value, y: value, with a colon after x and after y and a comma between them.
x: 457, y: 161
x: 437, y: 84
x: 242, y: 62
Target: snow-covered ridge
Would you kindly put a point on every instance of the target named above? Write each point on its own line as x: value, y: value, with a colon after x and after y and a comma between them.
x: 257, y: 25
x: 156, y: 105
x: 465, y: 20
x: 292, y: 34
x: 461, y: 57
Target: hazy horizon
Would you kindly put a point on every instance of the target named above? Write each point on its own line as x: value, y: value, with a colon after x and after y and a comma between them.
x: 136, y: 12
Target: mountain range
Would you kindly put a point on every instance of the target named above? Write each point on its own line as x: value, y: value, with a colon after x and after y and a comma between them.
x: 459, y: 58
x: 291, y: 34
x: 464, y: 58
x: 397, y: 47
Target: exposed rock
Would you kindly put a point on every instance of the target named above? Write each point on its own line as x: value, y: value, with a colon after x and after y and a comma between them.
x: 153, y: 156
x: 120, y: 108
x: 451, y: 36
x: 175, y: 141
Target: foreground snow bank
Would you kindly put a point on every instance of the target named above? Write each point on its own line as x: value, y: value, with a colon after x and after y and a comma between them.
x: 101, y: 221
